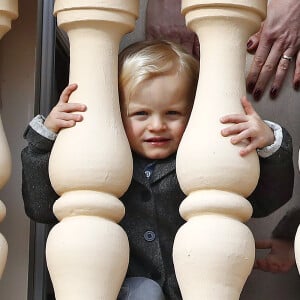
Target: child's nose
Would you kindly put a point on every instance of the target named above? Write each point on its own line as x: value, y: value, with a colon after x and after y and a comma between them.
x: 157, y: 124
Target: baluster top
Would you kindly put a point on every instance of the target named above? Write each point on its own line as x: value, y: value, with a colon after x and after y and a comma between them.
x: 260, y: 6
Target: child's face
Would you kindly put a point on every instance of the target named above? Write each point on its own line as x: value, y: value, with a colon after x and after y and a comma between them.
x: 156, y: 115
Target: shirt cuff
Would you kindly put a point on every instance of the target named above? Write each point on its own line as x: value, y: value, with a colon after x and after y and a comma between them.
x: 37, y: 124
x: 271, y: 149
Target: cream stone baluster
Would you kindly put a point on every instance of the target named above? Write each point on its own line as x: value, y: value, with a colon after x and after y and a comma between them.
x: 214, y: 251
x: 8, y: 12
x: 91, y: 165
x: 297, y: 237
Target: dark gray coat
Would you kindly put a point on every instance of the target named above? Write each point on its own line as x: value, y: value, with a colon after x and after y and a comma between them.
x: 152, y: 218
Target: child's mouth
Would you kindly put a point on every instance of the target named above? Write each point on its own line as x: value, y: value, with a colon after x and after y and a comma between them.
x: 157, y: 140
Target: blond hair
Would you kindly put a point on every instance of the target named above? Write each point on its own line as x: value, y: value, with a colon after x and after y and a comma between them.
x: 145, y: 60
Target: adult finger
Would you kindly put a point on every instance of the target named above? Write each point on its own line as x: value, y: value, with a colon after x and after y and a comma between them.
x: 282, y: 70
x: 164, y: 20
x: 258, y: 62
x: 267, y: 71
x: 253, y: 41
x: 263, y: 244
x: 296, y: 81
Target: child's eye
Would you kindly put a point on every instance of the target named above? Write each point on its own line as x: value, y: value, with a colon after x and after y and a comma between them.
x: 172, y: 112
x: 140, y: 113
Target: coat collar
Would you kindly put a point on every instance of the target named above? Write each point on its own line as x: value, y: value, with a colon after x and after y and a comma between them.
x: 162, y: 168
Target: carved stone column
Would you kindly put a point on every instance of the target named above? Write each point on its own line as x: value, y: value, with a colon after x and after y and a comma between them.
x: 297, y: 237
x: 91, y: 164
x: 8, y: 12
x: 214, y: 251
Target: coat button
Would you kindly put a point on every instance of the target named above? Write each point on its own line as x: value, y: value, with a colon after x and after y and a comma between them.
x: 149, y: 236
x: 148, y: 173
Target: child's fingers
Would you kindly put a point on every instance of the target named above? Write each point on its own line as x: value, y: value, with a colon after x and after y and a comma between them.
x: 242, y: 137
x: 70, y: 107
x: 233, y: 118
x: 248, y: 149
x: 65, y: 123
x: 60, y: 120
x: 238, y: 118
x: 234, y: 129
x: 248, y: 108
x: 63, y: 116
x: 68, y: 117
x: 65, y: 95
x: 244, y: 134
x: 55, y: 125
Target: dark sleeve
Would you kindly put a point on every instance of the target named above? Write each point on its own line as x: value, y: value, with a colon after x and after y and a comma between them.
x: 288, y: 225
x: 276, y: 182
x: 38, y: 194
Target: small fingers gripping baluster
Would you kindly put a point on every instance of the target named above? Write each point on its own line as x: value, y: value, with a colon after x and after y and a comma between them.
x: 91, y: 164
x: 8, y: 12
x: 214, y: 251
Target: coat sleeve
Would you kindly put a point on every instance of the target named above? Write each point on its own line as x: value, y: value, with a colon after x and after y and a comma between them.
x: 287, y: 227
x: 38, y: 194
x: 276, y: 182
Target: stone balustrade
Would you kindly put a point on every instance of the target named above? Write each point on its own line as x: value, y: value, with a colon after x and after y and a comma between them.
x: 214, y: 251
x: 91, y: 164
x: 8, y: 12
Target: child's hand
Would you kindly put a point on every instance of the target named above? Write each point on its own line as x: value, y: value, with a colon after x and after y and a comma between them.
x: 249, y: 126
x: 281, y: 257
x: 62, y: 116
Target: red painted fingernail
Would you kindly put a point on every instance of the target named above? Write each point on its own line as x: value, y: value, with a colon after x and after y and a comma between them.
x: 250, y: 87
x: 296, y: 85
x: 257, y: 94
x: 249, y: 44
x: 273, y: 92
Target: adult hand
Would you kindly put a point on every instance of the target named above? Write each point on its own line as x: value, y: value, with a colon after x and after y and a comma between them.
x: 276, y: 44
x: 281, y: 257
x: 165, y: 21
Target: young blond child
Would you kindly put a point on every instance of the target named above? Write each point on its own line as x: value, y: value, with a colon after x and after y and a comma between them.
x: 157, y: 83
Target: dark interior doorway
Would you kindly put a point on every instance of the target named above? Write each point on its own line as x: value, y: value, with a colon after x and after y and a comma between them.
x: 52, y: 73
